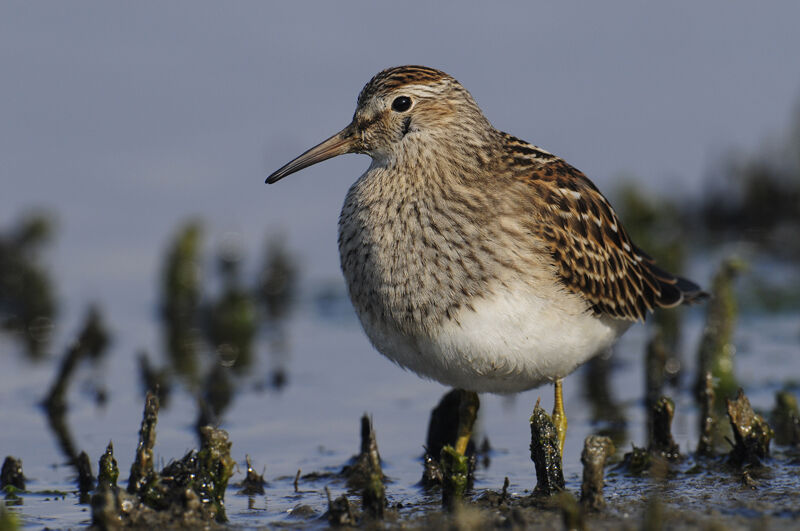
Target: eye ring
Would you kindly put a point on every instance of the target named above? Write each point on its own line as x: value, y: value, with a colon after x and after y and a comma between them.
x: 401, y: 104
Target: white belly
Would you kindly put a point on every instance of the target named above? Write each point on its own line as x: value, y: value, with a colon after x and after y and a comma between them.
x: 510, y: 341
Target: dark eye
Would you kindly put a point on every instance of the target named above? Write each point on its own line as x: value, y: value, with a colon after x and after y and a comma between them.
x: 401, y: 104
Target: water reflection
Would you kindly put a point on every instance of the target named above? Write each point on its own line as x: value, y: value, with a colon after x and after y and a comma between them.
x: 91, y: 344
x: 606, y: 411
x: 216, y: 395
x: 277, y: 290
x: 231, y: 322
x: 27, y: 301
x: 156, y: 380
x: 211, y: 339
x: 180, y: 295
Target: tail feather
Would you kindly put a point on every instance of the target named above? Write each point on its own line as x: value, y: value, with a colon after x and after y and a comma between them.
x: 676, y: 290
x: 692, y: 293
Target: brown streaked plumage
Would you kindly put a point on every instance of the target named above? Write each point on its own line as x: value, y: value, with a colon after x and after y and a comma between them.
x: 473, y: 257
x: 592, y: 251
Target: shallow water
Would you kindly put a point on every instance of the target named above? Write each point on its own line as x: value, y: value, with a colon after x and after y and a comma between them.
x: 312, y: 424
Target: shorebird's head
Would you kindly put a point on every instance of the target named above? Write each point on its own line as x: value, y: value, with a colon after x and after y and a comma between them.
x: 401, y: 108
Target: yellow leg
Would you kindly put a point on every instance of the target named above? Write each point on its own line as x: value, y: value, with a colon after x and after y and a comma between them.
x: 560, y: 417
x: 467, y: 411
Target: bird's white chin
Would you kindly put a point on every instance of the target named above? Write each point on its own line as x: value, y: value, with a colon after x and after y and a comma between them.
x: 509, y: 341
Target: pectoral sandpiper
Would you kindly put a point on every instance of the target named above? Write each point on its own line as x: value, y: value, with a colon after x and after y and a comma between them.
x: 474, y: 258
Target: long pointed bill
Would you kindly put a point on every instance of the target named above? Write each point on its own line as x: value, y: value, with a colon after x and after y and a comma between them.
x: 340, y: 143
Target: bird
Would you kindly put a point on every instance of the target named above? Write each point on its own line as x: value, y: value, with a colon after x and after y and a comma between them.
x: 477, y: 259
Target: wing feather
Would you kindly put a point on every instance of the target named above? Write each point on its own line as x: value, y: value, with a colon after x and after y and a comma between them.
x: 592, y: 252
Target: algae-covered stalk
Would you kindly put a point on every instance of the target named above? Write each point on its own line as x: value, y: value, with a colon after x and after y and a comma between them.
x: 454, y: 461
x: 654, y: 460
x: 716, y: 347
x: 545, y: 453
x: 12, y: 473
x: 596, y: 450
x: 751, y: 432
x: 655, y: 377
x: 85, y: 476
x: 108, y: 471
x: 443, y: 430
x: 661, y: 441
x: 455, y: 473
x: 186, y: 494
x: 254, y: 482
x: 366, y: 473
x: 215, y: 467
x: 708, y: 419
x: 142, y: 468
x: 638, y: 461
x: 340, y: 513
x: 786, y: 419
x: 374, y: 494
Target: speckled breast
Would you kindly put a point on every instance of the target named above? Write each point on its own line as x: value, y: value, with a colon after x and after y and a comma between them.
x: 405, y: 253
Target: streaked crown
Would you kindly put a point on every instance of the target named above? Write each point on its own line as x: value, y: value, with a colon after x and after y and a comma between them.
x: 396, y: 77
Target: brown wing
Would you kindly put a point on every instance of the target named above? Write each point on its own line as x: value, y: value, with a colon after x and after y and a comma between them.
x: 594, y: 255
